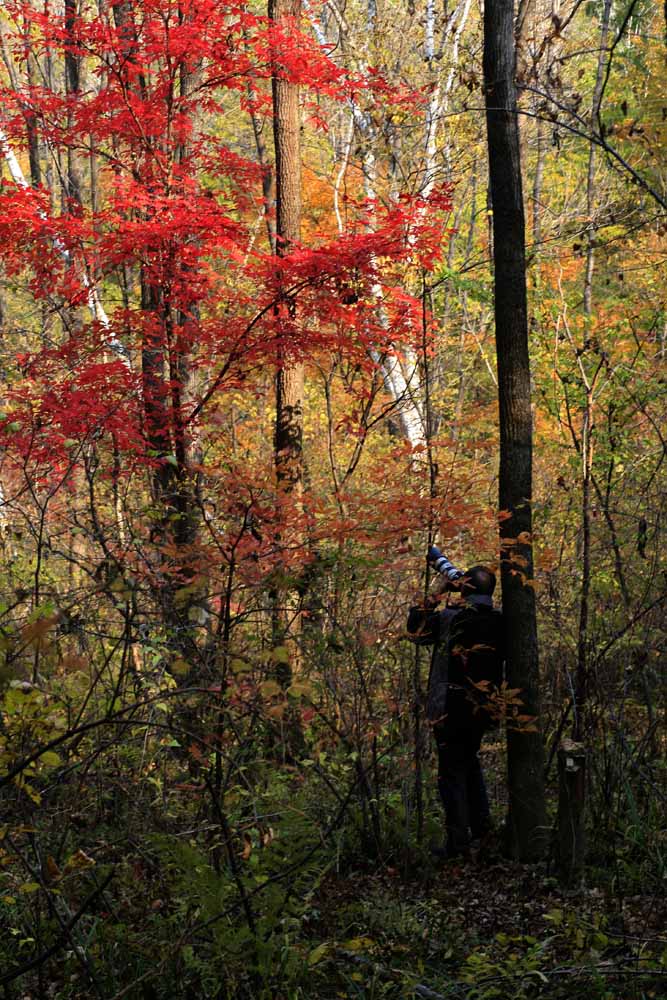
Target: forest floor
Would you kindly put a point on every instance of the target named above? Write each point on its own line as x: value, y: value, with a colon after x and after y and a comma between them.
x: 326, y: 913
x: 490, y: 928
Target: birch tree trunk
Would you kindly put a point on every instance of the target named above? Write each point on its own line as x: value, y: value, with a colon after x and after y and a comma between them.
x: 526, y: 819
x: 403, y: 387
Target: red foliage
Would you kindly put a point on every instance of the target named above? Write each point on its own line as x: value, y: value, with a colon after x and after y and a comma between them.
x: 179, y: 208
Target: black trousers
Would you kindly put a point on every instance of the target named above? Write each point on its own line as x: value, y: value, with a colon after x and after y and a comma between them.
x: 461, y: 782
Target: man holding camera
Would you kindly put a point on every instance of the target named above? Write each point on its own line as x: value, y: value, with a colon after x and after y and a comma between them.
x: 466, y: 666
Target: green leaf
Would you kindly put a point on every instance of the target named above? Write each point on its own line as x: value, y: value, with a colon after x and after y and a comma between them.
x: 45, y: 610
x: 180, y: 667
x: 50, y: 759
x: 540, y: 975
x: 183, y: 594
x: 300, y: 689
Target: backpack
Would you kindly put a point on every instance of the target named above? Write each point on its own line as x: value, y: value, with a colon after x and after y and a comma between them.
x: 475, y: 655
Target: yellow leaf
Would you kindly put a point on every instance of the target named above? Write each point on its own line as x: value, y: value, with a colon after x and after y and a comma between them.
x: 32, y: 793
x: 183, y: 595
x: 317, y: 954
x: 359, y: 944
x: 29, y: 887
x: 300, y: 690
x: 78, y: 862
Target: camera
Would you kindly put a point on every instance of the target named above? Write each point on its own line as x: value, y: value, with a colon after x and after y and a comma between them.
x: 442, y: 565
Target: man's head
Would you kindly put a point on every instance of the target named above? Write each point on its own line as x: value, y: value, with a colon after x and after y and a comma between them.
x: 478, y: 580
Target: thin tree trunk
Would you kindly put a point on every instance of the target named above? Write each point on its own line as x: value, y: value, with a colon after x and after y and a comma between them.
x: 590, y: 176
x: 288, y: 443
x: 167, y: 389
x: 32, y: 78
x: 587, y: 416
x: 540, y: 148
x: 289, y: 382
x: 540, y: 137
x: 31, y: 124
x: 401, y: 390
x: 268, y: 184
x: 581, y: 687
x: 526, y: 820
x: 72, y: 89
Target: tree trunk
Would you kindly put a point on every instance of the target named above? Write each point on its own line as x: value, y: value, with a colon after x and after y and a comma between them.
x: 289, y: 377
x: 289, y: 381
x: 571, y: 810
x: 526, y: 820
x: 587, y: 426
x: 404, y: 391
x: 167, y: 390
x: 590, y: 173
x: 72, y: 88
x: 268, y: 181
x: 32, y: 70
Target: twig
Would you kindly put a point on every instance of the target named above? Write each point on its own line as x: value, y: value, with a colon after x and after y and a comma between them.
x: 227, y: 833
x: 62, y: 937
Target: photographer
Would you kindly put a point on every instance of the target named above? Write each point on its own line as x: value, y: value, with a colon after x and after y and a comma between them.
x: 465, y: 667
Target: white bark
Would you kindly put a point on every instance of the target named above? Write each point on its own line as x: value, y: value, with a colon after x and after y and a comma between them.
x: 439, y: 101
x: 435, y: 110
x: 340, y: 176
x: 95, y: 306
x: 402, y: 389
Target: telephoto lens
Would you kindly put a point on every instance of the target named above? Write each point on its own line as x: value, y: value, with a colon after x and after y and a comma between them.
x: 442, y: 565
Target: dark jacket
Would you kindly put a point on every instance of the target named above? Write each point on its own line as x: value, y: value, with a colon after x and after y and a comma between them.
x: 431, y: 628
x: 467, y: 647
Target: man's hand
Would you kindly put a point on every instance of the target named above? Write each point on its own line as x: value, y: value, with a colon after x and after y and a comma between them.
x: 428, y: 602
